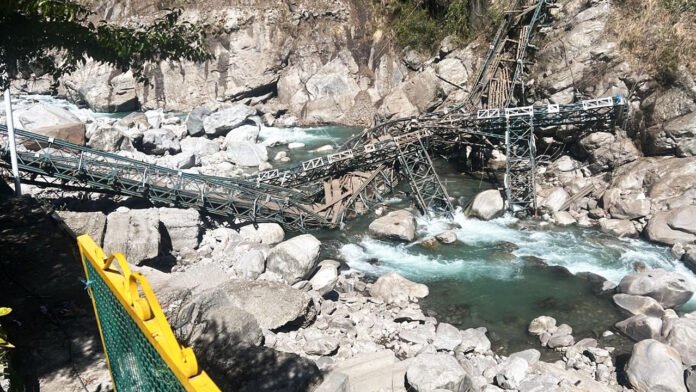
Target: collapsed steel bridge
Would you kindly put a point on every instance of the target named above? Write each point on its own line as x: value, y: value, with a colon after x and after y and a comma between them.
x: 319, y: 192
x: 323, y: 191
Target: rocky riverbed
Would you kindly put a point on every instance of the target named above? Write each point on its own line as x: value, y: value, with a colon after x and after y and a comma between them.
x: 479, y: 303
x: 333, y: 326
x: 267, y: 313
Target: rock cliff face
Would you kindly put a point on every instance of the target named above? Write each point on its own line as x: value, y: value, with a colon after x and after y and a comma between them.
x: 321, y: 61
x: 641, y: 177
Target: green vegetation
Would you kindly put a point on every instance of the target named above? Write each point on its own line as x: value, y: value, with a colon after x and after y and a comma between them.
x: 4, y: 345
x: 679, y: 6
x: 422, y: 24
x: 657, y: 36
x: 667, y: 65
x: 54, y: 37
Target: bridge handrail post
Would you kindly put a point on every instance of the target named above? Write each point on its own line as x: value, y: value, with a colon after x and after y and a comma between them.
x: 13, y: 145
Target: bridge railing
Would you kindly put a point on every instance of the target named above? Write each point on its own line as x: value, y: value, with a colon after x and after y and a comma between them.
x: 46, y: 157
x: 141, y: 350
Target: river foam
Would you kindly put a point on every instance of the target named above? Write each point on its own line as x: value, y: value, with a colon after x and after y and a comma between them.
x: 478, y: 252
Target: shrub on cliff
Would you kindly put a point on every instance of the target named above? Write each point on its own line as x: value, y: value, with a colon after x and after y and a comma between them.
x: 54, y: 37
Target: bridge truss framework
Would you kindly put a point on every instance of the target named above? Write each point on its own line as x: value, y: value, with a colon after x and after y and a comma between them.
x: 326, y: 190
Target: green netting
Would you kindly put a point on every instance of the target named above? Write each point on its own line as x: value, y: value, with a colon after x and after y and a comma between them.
x: 135, y: 364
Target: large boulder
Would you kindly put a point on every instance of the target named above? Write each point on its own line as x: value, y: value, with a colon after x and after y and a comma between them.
x: 641, y: 327
x: 613, y: 155
x: 631, y: 208
x: 511, y: 373
x: 447, y: 337
x: 618, y: 227
x: 194, y: 120
x: 324, y: 280
x: 664, y: 139
x: 51, y: 121
x: 183, y: 227
x: 103, y: 89
x: 397, y: 225
x: 670, y: 227
x: 263, y: 233
x: 670, y: 289
x: 486, y: 205
x: 110, y: 139
x: 295, y: 258
x: 180, y: 161
x: 637, y: 304
x: 474, y: 339
x: 680, y: 333
x: 243, y: 133
x: 160, y: 141
x: 90, y: 223
x: 596, y: 140
x: 655, y: 366
x: 225, y: 120
x: 429, y: 372
x: 199, y: 146
x: 683, y: 219
x: 135, y: 120
x: 556, y: 199
x: 209, y: 320
x: 423, y: 90
x: 273, y: 305
x: 542, y: 324
x: 393, y: 288
x: 248, y: 260
x: 134, y: 233
x: 247, y: 153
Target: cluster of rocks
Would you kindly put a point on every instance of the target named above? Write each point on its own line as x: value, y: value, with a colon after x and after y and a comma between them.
x: 313, y: 62
x: 222, y: 141
x: 636, y: 181
x: 663, y: 358
x: 250, y: 299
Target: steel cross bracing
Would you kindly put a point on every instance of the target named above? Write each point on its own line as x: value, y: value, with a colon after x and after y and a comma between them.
x: 445, y: 129
x: 353, y: 181
x: 430, y: 195
x: 520, y: 160
x: 55, y: 162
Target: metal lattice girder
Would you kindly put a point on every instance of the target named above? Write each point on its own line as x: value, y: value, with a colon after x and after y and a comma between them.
x: 520, y: 167
x: 447, y: 129
x: 291, y: 196
x: 427, y: 188
x: 39, y: 155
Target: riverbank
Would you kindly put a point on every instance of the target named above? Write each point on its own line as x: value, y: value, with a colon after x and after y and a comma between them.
x: 332, y: 322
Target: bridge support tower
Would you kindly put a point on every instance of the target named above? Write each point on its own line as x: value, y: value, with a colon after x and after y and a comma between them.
x: 520, y: 170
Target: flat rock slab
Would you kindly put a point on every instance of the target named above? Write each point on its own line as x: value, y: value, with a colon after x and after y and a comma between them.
x: 274, y: 305
x: 396, y: 225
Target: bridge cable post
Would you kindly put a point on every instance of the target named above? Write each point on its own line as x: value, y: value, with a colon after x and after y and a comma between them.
x: 12, y: 143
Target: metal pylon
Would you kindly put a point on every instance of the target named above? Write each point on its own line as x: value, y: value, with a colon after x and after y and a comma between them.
x: 520, y: 185
x: 417, y: 166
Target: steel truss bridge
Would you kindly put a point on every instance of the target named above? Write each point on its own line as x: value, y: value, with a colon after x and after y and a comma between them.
x: 323, y: 191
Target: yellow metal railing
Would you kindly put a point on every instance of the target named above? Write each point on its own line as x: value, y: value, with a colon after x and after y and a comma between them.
x: 141, y: 350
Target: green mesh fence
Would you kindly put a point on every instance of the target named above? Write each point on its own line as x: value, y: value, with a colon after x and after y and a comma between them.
x: 135, y: 364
